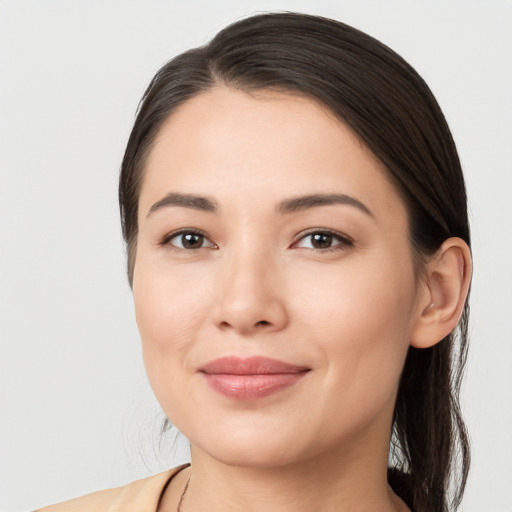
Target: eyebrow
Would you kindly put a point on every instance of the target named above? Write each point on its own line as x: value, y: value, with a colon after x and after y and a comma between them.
x: 287, y: 206
x: 185, y: 201
x: 311, y: 201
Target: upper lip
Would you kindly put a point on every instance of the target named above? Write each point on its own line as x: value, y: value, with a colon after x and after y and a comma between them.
x: 255, y: 365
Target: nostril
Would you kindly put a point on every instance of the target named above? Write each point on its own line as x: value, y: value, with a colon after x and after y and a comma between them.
x: 261, y: 323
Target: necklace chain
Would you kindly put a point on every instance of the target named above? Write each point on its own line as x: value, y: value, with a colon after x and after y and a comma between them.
x: 180, y: 504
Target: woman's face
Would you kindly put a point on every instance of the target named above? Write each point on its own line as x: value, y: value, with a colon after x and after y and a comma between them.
x: 274, y: 284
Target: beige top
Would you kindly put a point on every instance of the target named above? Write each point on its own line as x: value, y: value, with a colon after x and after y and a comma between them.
x: 139, y: 496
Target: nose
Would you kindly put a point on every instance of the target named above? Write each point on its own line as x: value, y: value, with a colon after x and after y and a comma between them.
x: 250, y: 299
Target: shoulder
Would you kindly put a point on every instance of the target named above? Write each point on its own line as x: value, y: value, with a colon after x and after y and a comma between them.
x: 139, y: 495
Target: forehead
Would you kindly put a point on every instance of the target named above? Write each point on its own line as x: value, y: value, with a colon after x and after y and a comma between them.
x: 265, y: 143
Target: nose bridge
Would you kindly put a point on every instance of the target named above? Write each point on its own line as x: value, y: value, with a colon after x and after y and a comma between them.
x: 249, y: 298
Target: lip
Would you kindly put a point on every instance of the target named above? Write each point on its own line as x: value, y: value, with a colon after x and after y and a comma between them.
x: 250, y: 378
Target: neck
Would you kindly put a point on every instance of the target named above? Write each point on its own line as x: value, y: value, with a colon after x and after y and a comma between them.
x: 334, y: 483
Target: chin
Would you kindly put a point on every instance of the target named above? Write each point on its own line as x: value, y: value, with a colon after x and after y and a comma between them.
x: 256, y: 456
x: 258, y: 448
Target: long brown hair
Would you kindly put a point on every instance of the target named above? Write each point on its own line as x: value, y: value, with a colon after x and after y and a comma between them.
x: 389, y: 106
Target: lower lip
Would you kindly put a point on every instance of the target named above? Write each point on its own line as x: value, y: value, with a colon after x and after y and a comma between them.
x: 251, y: 387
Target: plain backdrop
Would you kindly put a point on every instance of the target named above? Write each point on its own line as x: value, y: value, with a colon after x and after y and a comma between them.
x: 76, y: 411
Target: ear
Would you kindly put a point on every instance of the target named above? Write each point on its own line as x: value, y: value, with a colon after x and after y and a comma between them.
x: 443, y: 294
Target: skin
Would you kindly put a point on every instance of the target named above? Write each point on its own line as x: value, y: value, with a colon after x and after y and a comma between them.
x: 257, y: 285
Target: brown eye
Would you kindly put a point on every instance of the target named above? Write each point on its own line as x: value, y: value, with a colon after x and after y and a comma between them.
x: 323, y: 240
x: 192, y: 241
x: 188, y: 240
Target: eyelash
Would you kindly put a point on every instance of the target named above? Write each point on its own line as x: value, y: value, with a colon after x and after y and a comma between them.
x: 344, y: 241
x: 167, y: 239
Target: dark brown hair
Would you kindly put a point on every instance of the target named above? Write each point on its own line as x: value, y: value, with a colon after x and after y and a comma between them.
x: 391, y: 109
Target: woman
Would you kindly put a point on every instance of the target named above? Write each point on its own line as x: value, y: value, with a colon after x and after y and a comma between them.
x: 298, y: 247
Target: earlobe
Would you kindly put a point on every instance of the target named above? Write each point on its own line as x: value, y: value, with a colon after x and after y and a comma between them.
x: 441, y: 302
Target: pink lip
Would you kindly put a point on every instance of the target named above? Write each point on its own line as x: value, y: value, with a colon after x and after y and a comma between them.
x: 251, y: 378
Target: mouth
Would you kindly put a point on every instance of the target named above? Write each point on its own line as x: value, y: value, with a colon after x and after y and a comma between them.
x: 251, y: 378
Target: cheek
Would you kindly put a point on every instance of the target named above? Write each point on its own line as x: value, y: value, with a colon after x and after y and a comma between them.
x: 361, y: 324
x: 168, y: 304
x: 169, y: 310
x: 353, y: 301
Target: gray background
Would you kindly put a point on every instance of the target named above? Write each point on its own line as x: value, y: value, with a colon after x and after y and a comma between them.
x: 76, y: 411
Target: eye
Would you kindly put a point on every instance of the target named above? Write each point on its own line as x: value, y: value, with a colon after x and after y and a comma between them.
x: 188, y: 240
x: 323, y: 240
